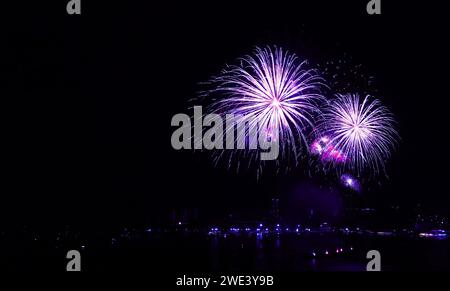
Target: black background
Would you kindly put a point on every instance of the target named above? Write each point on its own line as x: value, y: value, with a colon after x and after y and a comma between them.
x: 91, y: 98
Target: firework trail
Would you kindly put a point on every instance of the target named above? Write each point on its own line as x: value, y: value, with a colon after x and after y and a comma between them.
x: 275, y: 89
x: 362, y: 130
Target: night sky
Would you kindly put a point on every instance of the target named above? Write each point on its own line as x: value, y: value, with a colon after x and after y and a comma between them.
x: 92, y: 97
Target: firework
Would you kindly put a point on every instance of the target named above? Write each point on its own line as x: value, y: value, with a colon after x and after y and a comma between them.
x: 350, y: 182
x: 362, y: 130
x: 326, y: 150
x: 275, y: 89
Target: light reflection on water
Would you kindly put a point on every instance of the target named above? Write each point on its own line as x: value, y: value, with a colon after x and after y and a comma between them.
x: 295, y: 253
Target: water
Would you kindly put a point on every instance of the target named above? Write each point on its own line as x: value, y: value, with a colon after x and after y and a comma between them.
x: 196, y: 252
x: 284, y: 253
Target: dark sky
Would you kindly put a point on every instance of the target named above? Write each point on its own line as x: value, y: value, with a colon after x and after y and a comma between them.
x: 92, y: 97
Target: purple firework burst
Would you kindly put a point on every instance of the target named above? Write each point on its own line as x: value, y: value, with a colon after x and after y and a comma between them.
x: 362, y: 129
x: 275, y: 88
